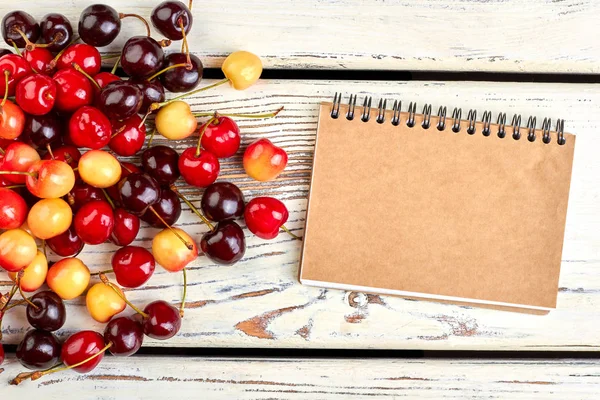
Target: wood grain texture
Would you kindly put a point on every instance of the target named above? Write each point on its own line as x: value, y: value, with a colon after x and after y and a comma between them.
x: 229, y: 378
x: 259, y: 302
x: 455, y: 35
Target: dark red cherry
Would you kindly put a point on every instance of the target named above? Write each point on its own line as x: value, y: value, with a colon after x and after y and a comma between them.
x: 4, y: 52
x: 17, y: 67
x: 181, y: 79
x: 120, y: 100
x: 50, y: 314
x: 167, y: 16
x: 126, y: 227
x: 152, y: 92
x: 161, y: 163
x: 163, y: 320
x: 133, y: 266
x: 79, y: 347
x: 36, y: 94
x: 142, y: 56
x: 56, y: 30
x: 42, y: 130
x: 94, y: 222
x: 74, y: 90
x: 201, y: 170
x: 126, y: 335
x: 128, y: 136
x: 138, y: 192
x: 38, y: 350
x: 222, y: 201
x: 86, y: 56
x: 68, y: 154
x: 40, y: 59
x: 89, y: 127
x: 16, y: 21
x: 81, y: 194
x: 168, y: 207
x: 99, y: 25
x: 67, y: 244
x: 221, y: 137
x: 113, y: 191
x: 226, y: 244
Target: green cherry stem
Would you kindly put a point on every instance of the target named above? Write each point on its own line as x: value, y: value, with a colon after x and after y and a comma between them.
x: 106, y: 271
x: 199, y: 146
x: 52, y: 63
x: 110, y: 56
x: 183, y: 296
x: 151, y: 138
x: 16, y: 48
x: 240, y: 115
x: 114, y: 68
x: 169, y: 227
x: 2, y: 152
x: 108, y: 283
x: 191, y: 206
x: 6, y: 74
x: 14, y: 186
x: 162, y: 71
x: 17, y: 303
x: 283, y: 227
x: 79, y: 69
x: 156, y: 106
x: 18, y: 173
x: 19, y: 276
x: 110, y: 201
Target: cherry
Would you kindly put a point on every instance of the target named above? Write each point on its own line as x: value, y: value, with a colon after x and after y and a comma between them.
x: 4, y: 52
x: 182, y: 78
x: 221, y: 136
x: 99, y: 169
x: 222, y: 201
x: 16, y: 25
x: 80, y: 346
x: 33, y: 276
x: 1, y: 354
x: 242, y: 69
x: 142, y: 56
x: 13, y: 209
x: 19, y: 157
x: 152, y: 92
x: 168, y: 208
x: 263, y: 160
x: 17, y: 250
x: 67, y: 244
x: 36, y: 94
x: 265, y: 216
x: 104, y: 78
x: 161, y: 162
x: 74, y: 90
x: 103, y: 302
x: 163, y: 321
x: 138, y: 192
x: 89, y: 127
x: 125, y: 334
x: 175, y: 120
x: 38, y: 350
x: 168, y: 16
x: 99, y: 25
x: 39, y: 59
x: 12, y: 120
x: 17, y: 68
x: 174, y: 249
x: 198, y: 170
x: 50, y: 179
x: 57, y: 31
x: 68, y: 278
x: 225, y: 244
x: 128, y: 136
x: 42, y: 130
x: 68, y: 154
x: 49, y: 217
x: 126, y: 228
x: 49, y: 314
x: 94, y: 222
x: 120, y: 100
x: 133, y: 266
x: 81, y: 194
x: 113, y: 191
x: 86, y: 56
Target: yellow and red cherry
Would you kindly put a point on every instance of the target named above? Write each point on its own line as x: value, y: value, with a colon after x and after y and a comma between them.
x: 126, y: 335
x: 50, y: 179
x: 68, y: 278
x: 40, y: 60
x: 79, y: 347
x: 199, y: 169
x: 67, y: 244
x: 126, y: 228
x: 263, y: 160
x: 74, y: 90
x: 13, y: 68
x: 12, y: 120
x: 163, y: 320
x: 225, y: 244
x: 170, y: 252
x: 18, y: 157
x: 34, y: 275
x: 49, y: 217
x: 161, y: 163
x: 89, y: 127
x: 221, y: 137
x: 128, y: 136
x: 103, y: 303
x: 36, y: 94
x: 133, y: 266
x: 94, y: 222
x: 242, y: 68
x: 99, y: 169
x: 84, y: 55
x: 265, y: 216
x: 17, y: 250
x: 13, y: 209
x: 175, y: 120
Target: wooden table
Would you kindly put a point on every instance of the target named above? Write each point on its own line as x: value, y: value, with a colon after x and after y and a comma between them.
x: 259, y: 303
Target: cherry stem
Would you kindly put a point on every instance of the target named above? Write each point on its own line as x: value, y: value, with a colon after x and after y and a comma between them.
x: 185, y: 242
x: 190, y: 5
x: 290, y: 233
x: 14, y: 186
x: 19, y: 275
x: 29, y: 46
x: 146, y: 116
x: 185, y: 45
x: 240, y: 115
x: 110, y: 56
x: 16, y: 48
x: 17, y: 173
x: 6, y: 74
x: 121, y: 16
x: 183, y: 296
x: 114, y: 68
x: 110, y: 201
x: 7, y: 300
x: 17, y: 303
x: 151, y: 138
x: 125, y: 168
x: 2, y: 152
x: 106, y: 271
x: 52, y: 63
x: 50, y: 150
x: 38, y: 374
x: 191, y: 206
x: 164, y: 43
x: 162, y: 71
x: 79, y: 69
x: 198, y: 147
x: 156, y: 106
x: 108, y: 283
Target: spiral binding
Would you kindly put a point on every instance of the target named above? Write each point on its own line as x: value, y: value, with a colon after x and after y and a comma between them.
x: 471, y: 129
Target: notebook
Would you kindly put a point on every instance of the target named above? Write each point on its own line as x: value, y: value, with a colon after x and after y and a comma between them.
x: 437, y: 207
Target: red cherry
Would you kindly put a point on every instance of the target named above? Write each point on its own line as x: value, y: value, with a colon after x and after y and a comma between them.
x: 36, y: 94
x: 39, y: 59
x: 13, y: 209
x: 103, y: 79
x: 129, y: 136
x: 19, y: 157
x: 133, y: 266
x: 90, y: 128
x: 74, y: 90
x: 84, y: 55
x: 1, y: 354
x: 126, y: 228
x: 66, y: 153
x: 67, y: 244
x: 81, y: 346
x: 163, y: 320
x: 18, y: 69
x: 94, y: 222
x: 264, y: 216
x: 221, y: 137
x: 81, y: 194
x: 12, y: 120
x: 201, y: 170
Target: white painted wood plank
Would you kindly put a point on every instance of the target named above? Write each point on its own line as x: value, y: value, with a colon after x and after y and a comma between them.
x: 259, y: 302
x: 143, y: 377
x: 456, y: 35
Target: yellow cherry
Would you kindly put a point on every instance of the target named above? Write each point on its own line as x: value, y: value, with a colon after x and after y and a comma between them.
x: 68, y: 278
x: 103, y: 303
x: 175, y: 120
x: 49, y: 217
x: 99, y: 169
x: 17, y: 250
x: 242, y: 68
x: 170, y: 252
x: 34, y: 275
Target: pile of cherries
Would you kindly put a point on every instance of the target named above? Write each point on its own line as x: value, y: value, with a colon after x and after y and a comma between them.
x: 63, y: 126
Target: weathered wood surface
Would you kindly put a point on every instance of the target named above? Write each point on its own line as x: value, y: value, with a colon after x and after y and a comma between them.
x: 229, y: 378
x: 457, y: 35
x: 259, y: 302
